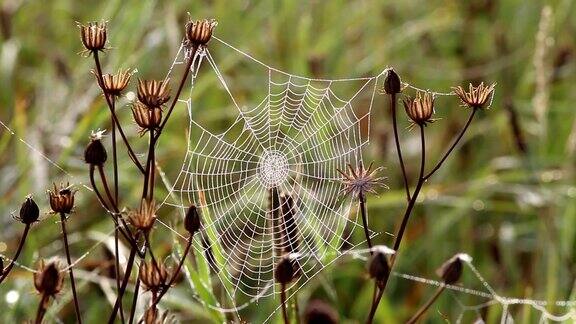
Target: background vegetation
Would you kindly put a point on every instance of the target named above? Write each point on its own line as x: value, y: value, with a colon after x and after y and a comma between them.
x: 507, y: 197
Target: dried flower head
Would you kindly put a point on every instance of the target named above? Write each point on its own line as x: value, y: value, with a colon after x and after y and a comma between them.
x: 451, y: 270
x: 476, y: 97
x: 378, y: 266
x: 93, y: 36
x: 199, y: 32
x: 318, y: 311
x: 392, y: 83
x: 420, y: 108
x: 61, y: 199
x: 286, y: 269
x: 114, y: 84
x: 147, y: 118
x: 29, y: 211
x: 49, y: 280
x: 153, y: 93
x: 360, y: 181
x: 153, y: 276
x: 192, y: 220
x: 144, y: 218
x: 95, y: 152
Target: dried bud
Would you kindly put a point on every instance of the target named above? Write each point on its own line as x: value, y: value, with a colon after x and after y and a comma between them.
x: 144, y: 218
x: 146, y: 118
x: 61, y: 199
x: 392, y: 83
x: 420, y: 108
x: 29, y: 212
x: 378, y: 266
x: 199, y: 32
x: 95, y: 152
x: 114, y: 84
x: 451, y: 270
x: 153, y: 93
x: 48, y: 280
x: 153, y: 276
x: 319, y: 312
x: 475, y: 97
x: 93, y: 36
x: 192, y: 220
x: 285, y: 271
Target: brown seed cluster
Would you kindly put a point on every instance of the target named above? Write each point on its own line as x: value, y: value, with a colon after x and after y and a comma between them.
x: 29, y: 211
x: 379, y: 266
x: 475, y: 97
x: 360, y: 181
x: 153, y: 276
x: 114, y: 84
x: 199, y: 32
x: 153, y: 93
x: 93, y: 36
x: 192, y: 220
x: 451, y: 270
x: 147, y: 118
x: 95, y: 152
x: 420, y: 108
x: 286, y: 270
x: 392, y: 83
x: 144, y: 218
x: 49, y: 280
x: 61, y: 199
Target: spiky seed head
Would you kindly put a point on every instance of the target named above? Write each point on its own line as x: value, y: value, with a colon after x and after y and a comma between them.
x: 153, y: 276
x: 114, y: 84
x: 285, y: 271
x: 49, y: 280
x: 360, y: 181
x: 319, y: 312
x: 95, y: 152
x: 147, y: 118
x: 420, y: 108
x: 378, y: 265
x: 93, y: 36
x: 475, y: 97
x: 192, y: 220
x: 451, y: 270
x: 29, y: 211
x: 199, y: 32
x: 153, y: 93
x: 62, y: 198
x: 392, y: 83
x: 144, y: 218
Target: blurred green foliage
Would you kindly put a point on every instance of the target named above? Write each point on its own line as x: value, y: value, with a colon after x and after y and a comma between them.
x: 507, y: 197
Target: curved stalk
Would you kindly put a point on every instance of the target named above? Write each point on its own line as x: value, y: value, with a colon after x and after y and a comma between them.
x: 70, y: 267
x: 425, y: 307
x: 397, y: 142
x: 7, y: 270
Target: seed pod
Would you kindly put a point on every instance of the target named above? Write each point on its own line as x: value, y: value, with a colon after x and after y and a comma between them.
x: 475, y: 97
x: 48, y: 280
x: 61, y: 199
x: 451, y: 270
x: 153, y: 93
x: 199, y: 32
x: 284, y: 272
x: 392, y: 83
x: 114, y: 84
x: 192, y: 220
x: 146, y: 118
x: 378, y: 266
x: 153, y: 276
x: 320, y: 312
x: 29, y: 212
x: 420, y: 108
x: 144, y: 218
x: 93, y: 36
x: 95, y: 152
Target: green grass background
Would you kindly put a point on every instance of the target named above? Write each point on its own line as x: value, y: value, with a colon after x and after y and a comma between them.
x: 510, y: 205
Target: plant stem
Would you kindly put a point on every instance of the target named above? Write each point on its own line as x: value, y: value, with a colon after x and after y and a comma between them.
x: 134, y: 300
x: 453, y: 145
x: 175, y: 273
x: 397, y: 141
x: 425, y: 307
x: 363, y: 212
x: 283, y: 301
x: 378, y: 294
x: 41, y: 309
x: 70, y: 267
x: 129, y: 266
x: 117, y: 267
x: 7, y: 270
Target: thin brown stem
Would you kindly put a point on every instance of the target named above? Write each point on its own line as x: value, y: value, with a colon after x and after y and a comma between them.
x: 134, y: 300
x: 129, y: 266
x: 283, y: 301
x: 393, y: 101
x: 363, y: 212
x: 7, y: 270
x: 458, y: 138
x: 378, y: 295
x: 70, y: 267
x: 113, y: 114
x: 42, y: 306
x: 426, y: 306
x: 117, y: 269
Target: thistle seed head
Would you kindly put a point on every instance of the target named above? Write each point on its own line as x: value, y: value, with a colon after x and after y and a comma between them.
x: 61, y: 199
x: 147, y: 118
x: 144, y: 218
x: 392, y: 83
x: 192, y: 220
x: 360, y: 181
x: 93, y: 36
x: 49, y: 280
x: 420, y: 108
x: 29, y: 211
x: 199, y: 32
x: 153, y: 93
x: 153, y: 276
x: 114, y: 84
x: 95, y: 152
x: 475, y: 97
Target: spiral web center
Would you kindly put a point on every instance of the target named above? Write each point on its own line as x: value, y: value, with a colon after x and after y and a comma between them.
x: 273, y: 169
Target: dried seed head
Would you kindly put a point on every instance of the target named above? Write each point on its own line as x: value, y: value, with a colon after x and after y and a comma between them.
x: 93, y: 36
x: 114, y: 84
x: 95, y: 152
x: 451, y: 270
x: 378, y: 266
x: 29, y: 211
x: 61, y: 199
x: 153, y: 93
x: 285, y: 271
x: 153, y: 276
x: 392, y: 83
x: 475, y: 97
x: 192, y: 220
x: 420, y: 108
x: 147, y: 118
x: 320, y: 312
x: 48, y: 280
x: 144, y: 218
x: 360, y: 181
x: 199, y: 32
